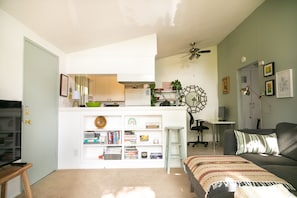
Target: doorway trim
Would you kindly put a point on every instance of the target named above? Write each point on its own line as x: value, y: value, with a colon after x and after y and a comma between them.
x: 254, y: 84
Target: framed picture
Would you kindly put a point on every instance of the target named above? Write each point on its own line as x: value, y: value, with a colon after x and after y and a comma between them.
x: 63, y: 85
x: 144, y: 138
x: 284, y: 83
x: 226, y: 85
x: 268, y: 69
x: 269, y: 88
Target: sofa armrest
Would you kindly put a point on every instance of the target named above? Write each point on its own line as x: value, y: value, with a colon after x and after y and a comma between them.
x: 230, y: 143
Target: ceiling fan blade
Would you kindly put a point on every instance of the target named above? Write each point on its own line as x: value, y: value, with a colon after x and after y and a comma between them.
x: 204, y: 51
x: 192, y: 56
x: 185, y: 55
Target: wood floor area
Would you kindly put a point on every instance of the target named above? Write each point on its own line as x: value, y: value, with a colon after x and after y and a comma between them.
x: 119, y: 183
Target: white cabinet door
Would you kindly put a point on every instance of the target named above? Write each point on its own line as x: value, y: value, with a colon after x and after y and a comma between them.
x: 70, y: 134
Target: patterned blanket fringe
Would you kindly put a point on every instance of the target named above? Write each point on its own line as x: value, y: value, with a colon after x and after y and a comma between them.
x: 248, y: 183
x: 232, y: 185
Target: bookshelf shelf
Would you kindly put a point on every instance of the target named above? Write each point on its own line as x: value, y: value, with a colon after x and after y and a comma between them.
x: 138, y: 135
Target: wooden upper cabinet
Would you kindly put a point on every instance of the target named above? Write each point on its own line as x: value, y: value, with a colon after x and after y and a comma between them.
x: 106, y: 88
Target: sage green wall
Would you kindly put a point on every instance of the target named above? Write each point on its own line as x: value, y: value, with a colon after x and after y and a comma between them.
x: 268, y: 34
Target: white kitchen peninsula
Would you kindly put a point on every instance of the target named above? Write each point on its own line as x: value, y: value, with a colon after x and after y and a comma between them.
x: 128, y: 137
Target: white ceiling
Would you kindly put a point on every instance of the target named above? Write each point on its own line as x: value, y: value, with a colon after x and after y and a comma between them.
x: 74, y: 25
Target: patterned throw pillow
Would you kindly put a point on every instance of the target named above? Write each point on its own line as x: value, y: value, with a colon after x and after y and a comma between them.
x: 255, y: 143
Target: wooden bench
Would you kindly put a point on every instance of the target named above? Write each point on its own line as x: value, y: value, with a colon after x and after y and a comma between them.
x: 11, y: 171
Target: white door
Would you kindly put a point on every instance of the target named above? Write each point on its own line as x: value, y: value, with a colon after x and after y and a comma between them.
x: 40, y: 100
x: 250, y: 104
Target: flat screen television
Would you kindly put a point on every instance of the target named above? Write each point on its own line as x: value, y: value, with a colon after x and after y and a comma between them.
x: 10, y: 131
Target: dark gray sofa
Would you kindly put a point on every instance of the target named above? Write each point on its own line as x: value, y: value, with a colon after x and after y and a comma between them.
x: 283, y: 165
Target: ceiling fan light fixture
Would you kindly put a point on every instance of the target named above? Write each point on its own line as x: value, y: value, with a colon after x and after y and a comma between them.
x: 195, y: 52
x: 192, y: 50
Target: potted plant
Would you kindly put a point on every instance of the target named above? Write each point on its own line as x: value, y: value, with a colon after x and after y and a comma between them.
x: 176, y: 85
x: 153, y: 94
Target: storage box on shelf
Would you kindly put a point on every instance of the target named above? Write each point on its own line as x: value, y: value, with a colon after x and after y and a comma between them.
x: 112, y: 153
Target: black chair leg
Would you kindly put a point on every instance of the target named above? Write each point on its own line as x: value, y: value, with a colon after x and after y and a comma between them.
x: 198, y: 142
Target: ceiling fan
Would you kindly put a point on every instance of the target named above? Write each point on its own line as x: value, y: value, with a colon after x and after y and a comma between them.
x: 195, y: 52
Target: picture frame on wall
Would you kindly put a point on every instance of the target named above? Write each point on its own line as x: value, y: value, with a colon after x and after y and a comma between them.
x: 226, y: 85
x: 268, y: 69
x: 63, y: 85
x: 269, y: 87
x: 284, y: 84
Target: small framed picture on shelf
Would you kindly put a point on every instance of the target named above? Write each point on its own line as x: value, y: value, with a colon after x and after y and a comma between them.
x: 143, y: 154
x: 269, y: 88
x: 268, y: 69
x: 144, y: 138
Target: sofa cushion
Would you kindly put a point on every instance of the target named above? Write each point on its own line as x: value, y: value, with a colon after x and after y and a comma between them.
x: 230, y: 144
x: 265, y: 159
x: 256, y: 143
x: 287, y: 139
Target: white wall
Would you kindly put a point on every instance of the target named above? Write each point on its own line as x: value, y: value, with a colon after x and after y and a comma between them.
x: 12, y: 36
x: 135, y: 56
x: 201, y: 72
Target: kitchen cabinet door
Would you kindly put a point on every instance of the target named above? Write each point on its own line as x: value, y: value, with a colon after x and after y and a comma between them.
x: 107, y: 88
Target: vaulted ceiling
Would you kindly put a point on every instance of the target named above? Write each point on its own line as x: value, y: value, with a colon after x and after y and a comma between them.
x: 74, y: 25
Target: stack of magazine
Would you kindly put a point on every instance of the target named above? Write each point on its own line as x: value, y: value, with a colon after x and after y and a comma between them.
x: 131, y: 152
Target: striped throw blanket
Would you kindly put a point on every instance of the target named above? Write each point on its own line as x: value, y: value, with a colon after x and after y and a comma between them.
x: 230, y: 171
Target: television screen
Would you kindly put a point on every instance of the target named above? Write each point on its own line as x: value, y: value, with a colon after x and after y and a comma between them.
x: 10, y: 131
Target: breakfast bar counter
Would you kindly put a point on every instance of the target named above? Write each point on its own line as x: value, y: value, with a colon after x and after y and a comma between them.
x: 117, y: 137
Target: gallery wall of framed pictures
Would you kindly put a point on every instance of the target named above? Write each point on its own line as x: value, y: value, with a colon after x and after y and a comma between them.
x: 269, y: 87
x: 282, y: 85
x: 268, y: 71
